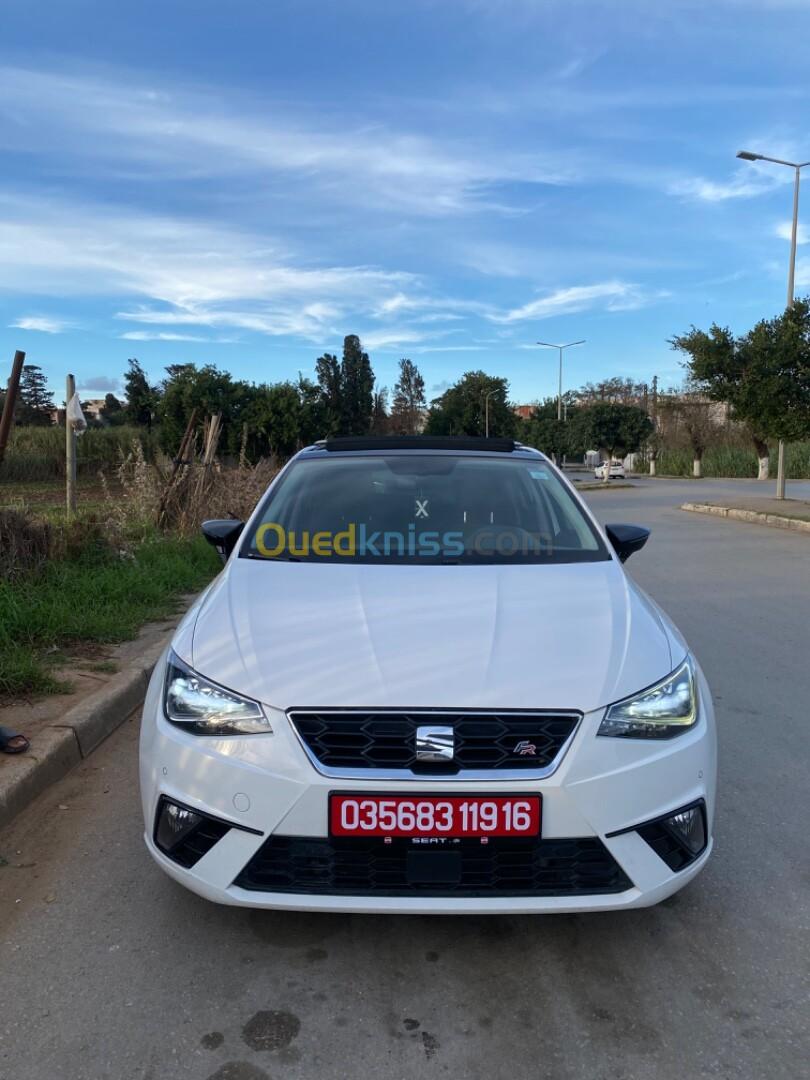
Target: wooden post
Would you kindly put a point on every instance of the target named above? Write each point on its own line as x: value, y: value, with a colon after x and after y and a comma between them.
x: 70, y: 452
x: 11, y: 400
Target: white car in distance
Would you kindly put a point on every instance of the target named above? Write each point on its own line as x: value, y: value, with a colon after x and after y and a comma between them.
x: 615, y: 470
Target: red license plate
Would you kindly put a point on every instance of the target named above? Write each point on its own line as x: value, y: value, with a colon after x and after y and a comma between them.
x: 434, y: 815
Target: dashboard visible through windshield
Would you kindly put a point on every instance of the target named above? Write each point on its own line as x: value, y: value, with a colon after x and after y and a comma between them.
x: 414, y: 508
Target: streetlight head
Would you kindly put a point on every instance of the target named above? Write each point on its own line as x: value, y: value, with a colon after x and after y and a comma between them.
x: 746, y: 155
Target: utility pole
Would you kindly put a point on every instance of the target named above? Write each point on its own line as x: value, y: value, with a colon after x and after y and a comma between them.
x: 70, y: 452
x: 11, y: 400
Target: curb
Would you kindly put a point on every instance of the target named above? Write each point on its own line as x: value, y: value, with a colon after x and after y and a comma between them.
x: 775, y: 521
x: 61, y: 746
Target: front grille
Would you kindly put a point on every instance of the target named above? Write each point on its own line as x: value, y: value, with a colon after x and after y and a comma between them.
x: 366, y: 866
x: 383, y: 739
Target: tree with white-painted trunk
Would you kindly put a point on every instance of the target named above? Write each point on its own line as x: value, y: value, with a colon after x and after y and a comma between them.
x: 764, y: 375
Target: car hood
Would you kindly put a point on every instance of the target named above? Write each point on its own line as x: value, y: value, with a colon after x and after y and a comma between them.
x: 572, y: 636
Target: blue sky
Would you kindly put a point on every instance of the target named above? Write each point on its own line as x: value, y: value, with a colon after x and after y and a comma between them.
x: 244, y: 183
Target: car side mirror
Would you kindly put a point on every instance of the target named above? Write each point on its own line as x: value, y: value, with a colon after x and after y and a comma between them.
x: 627, y: 539
x: 223, y: 534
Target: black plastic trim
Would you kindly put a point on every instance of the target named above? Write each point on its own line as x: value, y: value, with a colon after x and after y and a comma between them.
x: 656, y: 832
x: 420, y: 442
x: 188, y: 859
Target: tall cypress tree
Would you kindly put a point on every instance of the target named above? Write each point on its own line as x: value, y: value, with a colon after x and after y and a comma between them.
x: 357, y: 380
x: 409, y: 399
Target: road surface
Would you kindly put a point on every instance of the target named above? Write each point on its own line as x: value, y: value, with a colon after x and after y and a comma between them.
x: 109, y: 970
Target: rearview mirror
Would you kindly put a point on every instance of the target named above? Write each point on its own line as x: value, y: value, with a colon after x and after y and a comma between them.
x: 627, y: 539
x: 223, y: 534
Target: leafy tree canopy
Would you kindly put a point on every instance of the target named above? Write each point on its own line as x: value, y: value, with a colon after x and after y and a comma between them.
x: 764, y: 375
x: 461, y: 410
x: 615, y: 429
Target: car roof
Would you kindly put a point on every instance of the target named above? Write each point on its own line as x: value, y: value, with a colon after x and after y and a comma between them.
x: 455, y: 444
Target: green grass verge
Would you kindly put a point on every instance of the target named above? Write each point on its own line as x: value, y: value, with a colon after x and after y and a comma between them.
x: 83, y: 601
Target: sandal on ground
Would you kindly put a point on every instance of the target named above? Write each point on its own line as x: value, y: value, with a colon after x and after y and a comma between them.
x: 12, y: 743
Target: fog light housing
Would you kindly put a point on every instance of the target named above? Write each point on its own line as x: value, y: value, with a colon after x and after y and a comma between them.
x: 680, y: 837
x: 690, y: 827
x: 183, y: 834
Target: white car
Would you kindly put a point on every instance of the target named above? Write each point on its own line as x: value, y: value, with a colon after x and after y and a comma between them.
x: 384, y: 702
x: 615, y: 472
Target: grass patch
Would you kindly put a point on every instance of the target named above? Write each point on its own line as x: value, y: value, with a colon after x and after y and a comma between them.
x: 93, y: 598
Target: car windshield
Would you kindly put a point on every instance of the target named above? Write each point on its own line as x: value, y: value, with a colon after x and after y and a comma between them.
x: 414, y: 508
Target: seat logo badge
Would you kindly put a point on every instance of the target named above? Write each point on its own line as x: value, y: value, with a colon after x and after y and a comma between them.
x: 525, y: 749
x: 434, y: 743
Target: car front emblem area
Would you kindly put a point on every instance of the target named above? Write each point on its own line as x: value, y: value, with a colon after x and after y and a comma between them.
x: 434, y: 743
x: 525, y: 749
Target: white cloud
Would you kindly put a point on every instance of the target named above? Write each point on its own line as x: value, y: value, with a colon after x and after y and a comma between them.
x: 44, y: 324
x: 146, y: 335
x: 611, y: 295
x: 185, y: 273
x: 784, y: 229
x: 743, y: 185
x: 174, y: 132
x: 387, y: 339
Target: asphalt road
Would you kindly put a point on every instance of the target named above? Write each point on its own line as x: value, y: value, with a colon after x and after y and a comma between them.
x: 109, y: 970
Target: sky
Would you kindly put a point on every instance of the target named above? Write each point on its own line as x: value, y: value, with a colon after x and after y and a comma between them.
x: 243, y: 184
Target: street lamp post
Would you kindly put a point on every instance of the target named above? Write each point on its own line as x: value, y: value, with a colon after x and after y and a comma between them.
x: 486, y: 410
x: 548, y: 345
x: 797, y: 167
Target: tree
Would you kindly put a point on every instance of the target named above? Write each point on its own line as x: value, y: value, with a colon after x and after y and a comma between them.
x: 273, y: 418
x: 330, y: 384
x: 36, y: 405
x: 209, y: 391
x: 112, y: 411
x: 380, y: 420
x: 763, y: 375
x: 312, y: 417
x: 357, y: 388
x: 546, y: 432
x: 617, y: 391
x: 461, y: 410
x: 141, y: 397
x: 409, y: 399
x: 616, y: 429
x: 695, y: 416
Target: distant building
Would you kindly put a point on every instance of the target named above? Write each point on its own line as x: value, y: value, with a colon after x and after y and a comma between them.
x: 91, y: 407
x: 524, y: 411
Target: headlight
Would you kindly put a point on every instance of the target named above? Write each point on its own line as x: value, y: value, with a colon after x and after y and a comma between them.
x: 666, y: 709
x: 203, y: 708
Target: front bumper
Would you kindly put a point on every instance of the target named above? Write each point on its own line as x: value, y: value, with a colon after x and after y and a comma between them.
x: 268, y: 785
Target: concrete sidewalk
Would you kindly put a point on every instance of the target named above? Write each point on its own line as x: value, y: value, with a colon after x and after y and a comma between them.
x: 778, y: 513
x: 65, y: 728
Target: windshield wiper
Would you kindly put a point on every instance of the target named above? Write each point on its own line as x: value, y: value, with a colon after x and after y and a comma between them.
x: 271, y: 558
